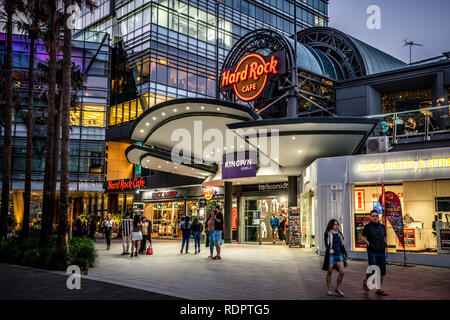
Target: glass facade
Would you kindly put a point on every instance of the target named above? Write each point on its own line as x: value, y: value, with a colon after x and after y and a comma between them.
x: 166, y: 49
x: 88, y: 117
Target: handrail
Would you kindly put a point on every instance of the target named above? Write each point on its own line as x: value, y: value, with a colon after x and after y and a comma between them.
x: 406, y: 112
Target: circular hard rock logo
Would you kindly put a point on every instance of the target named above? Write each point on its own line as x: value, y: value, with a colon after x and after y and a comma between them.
x: 250, y: 76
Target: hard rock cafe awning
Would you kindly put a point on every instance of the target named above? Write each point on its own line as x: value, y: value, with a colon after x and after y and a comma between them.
x: 300, y: 140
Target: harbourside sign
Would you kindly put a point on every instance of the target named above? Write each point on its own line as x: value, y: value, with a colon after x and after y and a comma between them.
x: 250, y: 76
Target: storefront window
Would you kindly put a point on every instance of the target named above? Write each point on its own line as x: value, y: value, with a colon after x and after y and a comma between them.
x: 165, y: 217
x: 422, y: 213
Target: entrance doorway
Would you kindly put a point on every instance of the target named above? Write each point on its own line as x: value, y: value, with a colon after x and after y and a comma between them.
x: 256, y: 219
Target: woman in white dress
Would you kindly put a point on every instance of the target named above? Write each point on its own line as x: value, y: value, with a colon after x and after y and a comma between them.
x: 136, y: 235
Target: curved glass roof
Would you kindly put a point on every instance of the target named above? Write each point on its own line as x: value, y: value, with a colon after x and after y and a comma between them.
x: 316, y: 61
x: 376, y: 60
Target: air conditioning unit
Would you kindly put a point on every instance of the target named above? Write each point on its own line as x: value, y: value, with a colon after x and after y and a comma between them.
x: 378, y: 144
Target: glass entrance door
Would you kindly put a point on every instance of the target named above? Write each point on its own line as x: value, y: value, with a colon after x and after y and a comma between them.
x: 307, y: 219
x: 252, y: 216
x: 257, y: 213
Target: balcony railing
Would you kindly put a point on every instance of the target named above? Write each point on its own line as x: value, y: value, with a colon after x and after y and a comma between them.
x: 425, y: 124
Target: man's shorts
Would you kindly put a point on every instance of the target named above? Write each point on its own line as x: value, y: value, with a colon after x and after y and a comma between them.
x: 217, y: 235
x: 378, y: 259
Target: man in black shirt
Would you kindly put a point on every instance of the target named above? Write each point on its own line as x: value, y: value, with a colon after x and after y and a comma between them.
x: 374, y: 235
x: 218, y: 230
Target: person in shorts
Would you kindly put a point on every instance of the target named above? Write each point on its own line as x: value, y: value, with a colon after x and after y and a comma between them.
x: 218, y: 230
x: 335, y: 255
x: 374, y: 235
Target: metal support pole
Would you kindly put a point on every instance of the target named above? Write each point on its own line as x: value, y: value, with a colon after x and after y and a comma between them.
x: 217, y: 49
x: 228, y: 214
x: 292, y: 97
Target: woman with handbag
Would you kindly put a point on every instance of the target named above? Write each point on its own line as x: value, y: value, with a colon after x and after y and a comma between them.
x: 335, y: 255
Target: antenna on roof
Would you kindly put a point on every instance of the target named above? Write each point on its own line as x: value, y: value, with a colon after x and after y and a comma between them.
x: 410, y: 44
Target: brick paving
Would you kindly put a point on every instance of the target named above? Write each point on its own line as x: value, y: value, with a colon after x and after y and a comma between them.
x: 256, y: 272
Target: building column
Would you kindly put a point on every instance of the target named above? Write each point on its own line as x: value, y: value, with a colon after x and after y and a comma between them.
x: 292, y: 191
x: 228, y: 214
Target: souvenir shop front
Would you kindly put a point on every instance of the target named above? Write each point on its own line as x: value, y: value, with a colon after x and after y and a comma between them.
x: 165, y: 207
x: 258, y: 203
x: 416, y: 189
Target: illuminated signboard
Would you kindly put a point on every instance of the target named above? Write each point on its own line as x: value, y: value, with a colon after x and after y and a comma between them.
x: 405, y: 165
x: 164, y: 194
x: 127, y: 184
x: 250, y: 76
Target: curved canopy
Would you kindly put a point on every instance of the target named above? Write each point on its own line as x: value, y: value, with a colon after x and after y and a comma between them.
x: 354, y: 57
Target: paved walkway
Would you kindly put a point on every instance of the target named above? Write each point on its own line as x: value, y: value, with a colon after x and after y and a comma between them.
x: 21, y: 283
x: 256, y: 272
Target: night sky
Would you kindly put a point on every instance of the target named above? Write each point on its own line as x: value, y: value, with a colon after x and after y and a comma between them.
x: 424, y: 21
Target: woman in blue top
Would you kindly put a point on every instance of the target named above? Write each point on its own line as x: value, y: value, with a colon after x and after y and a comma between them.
x: 334, y: 255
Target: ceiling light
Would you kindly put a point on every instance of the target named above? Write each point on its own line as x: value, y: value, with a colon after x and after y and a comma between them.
x: 218, y: 109
x: 175, y: 110
x: 153, y: 118
x: 293, y: 138
x: 206, y: 156
x: 147, y: 124
x: 148, y: 160
x: 187, y: 108
x: 176, y: 167
x: 163, y: 113
x: 299, y: 151
x: 142, y: 130
x: 159, y: 167
x: 202, y: 107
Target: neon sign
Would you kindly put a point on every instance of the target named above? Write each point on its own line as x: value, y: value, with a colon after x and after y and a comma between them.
x: 249, y: 78
x: 127, y: 184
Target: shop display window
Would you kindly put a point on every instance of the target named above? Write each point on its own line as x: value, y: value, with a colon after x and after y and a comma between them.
x: 424, y: 211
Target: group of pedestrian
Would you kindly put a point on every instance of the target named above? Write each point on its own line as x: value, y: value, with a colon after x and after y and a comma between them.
x: 374, y: 236
x: 278, y: 226
x: 213, y: 228
x: 195, y: 228
x: 137, y: 232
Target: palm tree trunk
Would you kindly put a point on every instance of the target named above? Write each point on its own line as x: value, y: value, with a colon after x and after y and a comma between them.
x: 7, y: 126
x: 65, y: 126
x: 29, y: 154
x: 47, y: 205
x: 55, y: 159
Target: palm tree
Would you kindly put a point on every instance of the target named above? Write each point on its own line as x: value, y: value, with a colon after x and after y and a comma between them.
x: 30, y: 24
x: 51, y: 37
x: 9, y: 8
x: 65, y: 120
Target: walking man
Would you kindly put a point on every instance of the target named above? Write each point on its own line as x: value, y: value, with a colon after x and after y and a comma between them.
x: 126, y: 233
x: 374, y: 235
x: 218, y: 230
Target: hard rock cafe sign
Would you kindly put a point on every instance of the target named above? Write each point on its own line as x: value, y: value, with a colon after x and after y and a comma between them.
x: 249, y: 78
